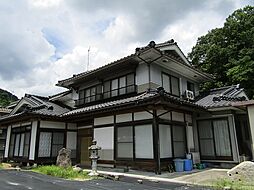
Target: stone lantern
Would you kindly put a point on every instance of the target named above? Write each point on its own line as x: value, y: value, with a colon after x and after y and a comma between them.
x: 93, y: 149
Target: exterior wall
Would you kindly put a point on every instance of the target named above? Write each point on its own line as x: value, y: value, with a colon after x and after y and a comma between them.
x: 142, y: 79
x: 103, y: 120
x: 33, y: 140
x: 8, y: 136
x: 251, y: 122
x: 52, y: 125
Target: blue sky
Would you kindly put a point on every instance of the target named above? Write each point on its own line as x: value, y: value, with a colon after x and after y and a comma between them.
x: 43, y: 41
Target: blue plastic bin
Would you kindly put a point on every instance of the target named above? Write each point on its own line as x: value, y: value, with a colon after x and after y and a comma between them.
x: 188, y: 165
x: 179, y: 165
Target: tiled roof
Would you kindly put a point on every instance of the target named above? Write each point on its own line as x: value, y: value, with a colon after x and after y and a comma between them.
x: 5, y: 110
x: 39, y: 106
x: 138, y: 50
x: 80, y: 75
x: 222, y: 97
x: 147, y: 96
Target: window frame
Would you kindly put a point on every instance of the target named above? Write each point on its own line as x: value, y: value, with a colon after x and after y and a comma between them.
x: 19, y: 131
x: 118, y: 89
x: 170, y: 82
x: 191, y: 84
x: 92, y: 98
x: 215, y: 157
x: 51, y: 143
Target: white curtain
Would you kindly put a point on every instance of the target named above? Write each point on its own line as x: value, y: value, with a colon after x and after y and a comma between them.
x: 165, y: 141
x: 206, y: 138
x: 221, y: 138
x: 143, y: 141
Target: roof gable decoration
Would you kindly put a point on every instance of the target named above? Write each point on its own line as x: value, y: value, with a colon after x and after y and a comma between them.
x: 171, y: 45
x: 22, y: 105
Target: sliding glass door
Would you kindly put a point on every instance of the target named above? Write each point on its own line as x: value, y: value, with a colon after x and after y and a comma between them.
x: 214, y: 139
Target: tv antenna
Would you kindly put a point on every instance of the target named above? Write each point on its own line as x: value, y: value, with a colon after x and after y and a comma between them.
x: 88, y: 58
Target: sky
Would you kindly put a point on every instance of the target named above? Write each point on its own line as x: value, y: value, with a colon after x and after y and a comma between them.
x: 43, y: 41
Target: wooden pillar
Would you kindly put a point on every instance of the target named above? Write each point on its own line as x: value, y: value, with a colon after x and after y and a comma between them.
x: 156, y: 143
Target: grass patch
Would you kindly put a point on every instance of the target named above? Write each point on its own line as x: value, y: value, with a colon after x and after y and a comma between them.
x: 234, y: 185
x: 1, y: 166
x: 66, y: 173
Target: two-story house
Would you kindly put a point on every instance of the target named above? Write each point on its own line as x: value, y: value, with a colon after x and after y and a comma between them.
x: 144, y: 110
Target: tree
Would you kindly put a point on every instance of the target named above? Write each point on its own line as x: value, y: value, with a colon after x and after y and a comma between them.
x: 228, y: 52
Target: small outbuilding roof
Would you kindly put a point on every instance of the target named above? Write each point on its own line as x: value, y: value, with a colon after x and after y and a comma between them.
x: 222, y: 97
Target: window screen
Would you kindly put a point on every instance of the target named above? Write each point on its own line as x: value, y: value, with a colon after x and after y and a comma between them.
x: 143, y: 138
x: 124, y: 142
x: 179, y: 144
x: 45, y: 144
x: 175, y: 86
x: 166, y: 83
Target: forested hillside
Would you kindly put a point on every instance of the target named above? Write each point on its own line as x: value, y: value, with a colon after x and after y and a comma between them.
x: 6, y: 98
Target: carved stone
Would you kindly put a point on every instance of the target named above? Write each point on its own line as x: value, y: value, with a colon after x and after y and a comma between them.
x: 64, y: 158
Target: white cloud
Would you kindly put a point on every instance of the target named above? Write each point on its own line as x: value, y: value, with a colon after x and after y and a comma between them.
x: 36, y: 33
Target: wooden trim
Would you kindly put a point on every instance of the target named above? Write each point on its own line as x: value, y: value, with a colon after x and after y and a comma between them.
x: 37, y: 141
x: 156, y: 143
x: 65, y: 135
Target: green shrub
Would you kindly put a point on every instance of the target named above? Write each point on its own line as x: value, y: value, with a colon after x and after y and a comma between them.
x: 67, y: 173
x: 234, y: 185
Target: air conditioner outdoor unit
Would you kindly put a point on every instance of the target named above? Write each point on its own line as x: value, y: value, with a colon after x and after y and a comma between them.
x: 189, y: 95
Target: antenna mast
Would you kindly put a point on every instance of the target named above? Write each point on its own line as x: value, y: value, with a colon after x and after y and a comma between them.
x: 88, y: 52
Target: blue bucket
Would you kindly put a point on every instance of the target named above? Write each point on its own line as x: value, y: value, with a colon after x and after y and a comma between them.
x: 188, y: 165
x: 179, y: 165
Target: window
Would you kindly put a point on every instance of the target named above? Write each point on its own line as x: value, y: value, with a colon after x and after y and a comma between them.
x: 171, y: 84
x: 119, y: 86
x: 190, y: 86
x: 165, y: 141
x: 90, y: 94
x: 50, y: 143
x: 20, y: 142
x: 179, y: 144
x: 214, y: 138
x: 124, y: 142
x: 144, y: 138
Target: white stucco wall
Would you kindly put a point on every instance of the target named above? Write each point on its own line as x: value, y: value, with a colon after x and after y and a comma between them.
x: 52, y: 125
x: 124, y: 117
x: 7, y: 142
x: 33, y: 140
x: 142, y: 74
x: 142, y: 115
x: 72, y: 126
x: 156, y: 74
x: 164, y: 114
x: 177, y: 116
x: 103, y: 120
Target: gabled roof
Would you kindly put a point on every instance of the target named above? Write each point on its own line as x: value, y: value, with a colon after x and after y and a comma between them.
x: 36, y: 105
x: 222, y: 97
x: 159, y: 48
